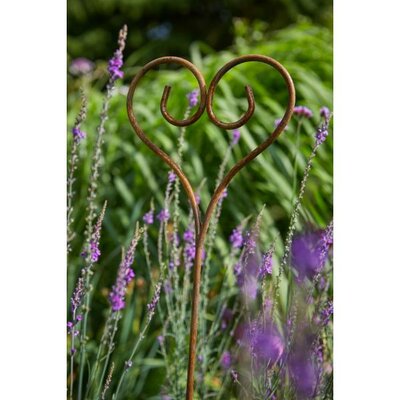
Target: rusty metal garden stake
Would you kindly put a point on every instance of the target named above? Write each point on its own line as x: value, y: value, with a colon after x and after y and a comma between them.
x: 206, y: 100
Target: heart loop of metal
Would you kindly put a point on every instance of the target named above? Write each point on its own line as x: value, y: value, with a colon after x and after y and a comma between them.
x: 206, y: 102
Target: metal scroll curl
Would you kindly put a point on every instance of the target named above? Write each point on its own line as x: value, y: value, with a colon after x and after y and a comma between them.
x: 206, y: 102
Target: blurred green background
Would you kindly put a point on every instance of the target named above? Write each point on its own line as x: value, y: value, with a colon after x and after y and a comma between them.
x: 170, y: 27
x: 209, y: 33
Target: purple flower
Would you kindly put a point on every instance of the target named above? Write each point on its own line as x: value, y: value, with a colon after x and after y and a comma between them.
x: 148, y: 218
x: 80, y: 66
x: 167, y: 286
x: 129, y: 275
x: 304, y: 374
x: 171, y: 176
x: 78, y: 134
x: 310, y: 252
x: 325, y: 113
x: 197, y: 198
x: 302, y: 111
x: 250, y: 242
x: 115, y: 64
x: 77, y: 295
x: 226, y: 360
x: 128, y: 364
x: 268, y: 345
x: 321, y: 134
x: 193, y: 97
x: 190, y: 251
x: 188, y: 236
x: 265, y: 343
x: 94, y: 251
x: 151, y: 307
x: 266, y: 265
x: 235, y: 136
x: 236, y: 237
x: 326, y: 313
x: 163, y: 215
x: 125, y: 275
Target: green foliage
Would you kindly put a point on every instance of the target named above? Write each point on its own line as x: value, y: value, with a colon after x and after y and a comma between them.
x: 162, y: 27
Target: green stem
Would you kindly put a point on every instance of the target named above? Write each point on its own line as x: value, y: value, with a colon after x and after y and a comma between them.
x: 71, y: 388
x: 295, y: 162
x: 110, y: 350
x: 140, y: 338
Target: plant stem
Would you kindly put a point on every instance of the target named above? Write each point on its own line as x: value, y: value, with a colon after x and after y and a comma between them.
x: 297, y: 149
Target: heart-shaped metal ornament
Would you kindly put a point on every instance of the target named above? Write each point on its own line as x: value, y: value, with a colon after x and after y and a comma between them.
x: 206, y: 100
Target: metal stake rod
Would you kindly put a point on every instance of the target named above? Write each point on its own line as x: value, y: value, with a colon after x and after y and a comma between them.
x: 201, y: 227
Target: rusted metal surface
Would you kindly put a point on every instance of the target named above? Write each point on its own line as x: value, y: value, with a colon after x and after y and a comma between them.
x: 206, y: 102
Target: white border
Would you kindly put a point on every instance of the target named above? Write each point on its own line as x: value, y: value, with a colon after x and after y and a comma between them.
x: 32, y: 208
x: 366, y: 198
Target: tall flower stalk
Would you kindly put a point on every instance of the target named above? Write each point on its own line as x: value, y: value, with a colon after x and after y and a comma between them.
x: 117, y: 303
x: 78, y: 135
x: 114, y: 73
x: 81, y: 300
x: 320, y: 136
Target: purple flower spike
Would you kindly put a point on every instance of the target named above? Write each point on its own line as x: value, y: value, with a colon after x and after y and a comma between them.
x: 190, y: 251
x: 325, y: 113
x: 326, y: 313
x: 171, y: 176
x: 148, y: 218
x: 163, y: 215
x: 188, y: 236
x: 266, y: 265
x: 77, y: 295
x: 124, y: 277
x: 226, y: 360
x: 193, y: 97
x: 250, y: 242
x: 321, y: 134
x: 302, y: 111
x: 235, y: 136
x: 81, y: 66
x: 151, y: 307
x: 94, y: 251
x: 304, y: 374
x: 310, y: 252
x: 265, y: 343
x: 78, y: 134
x: 115, y: 64
x: 236, y: 238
